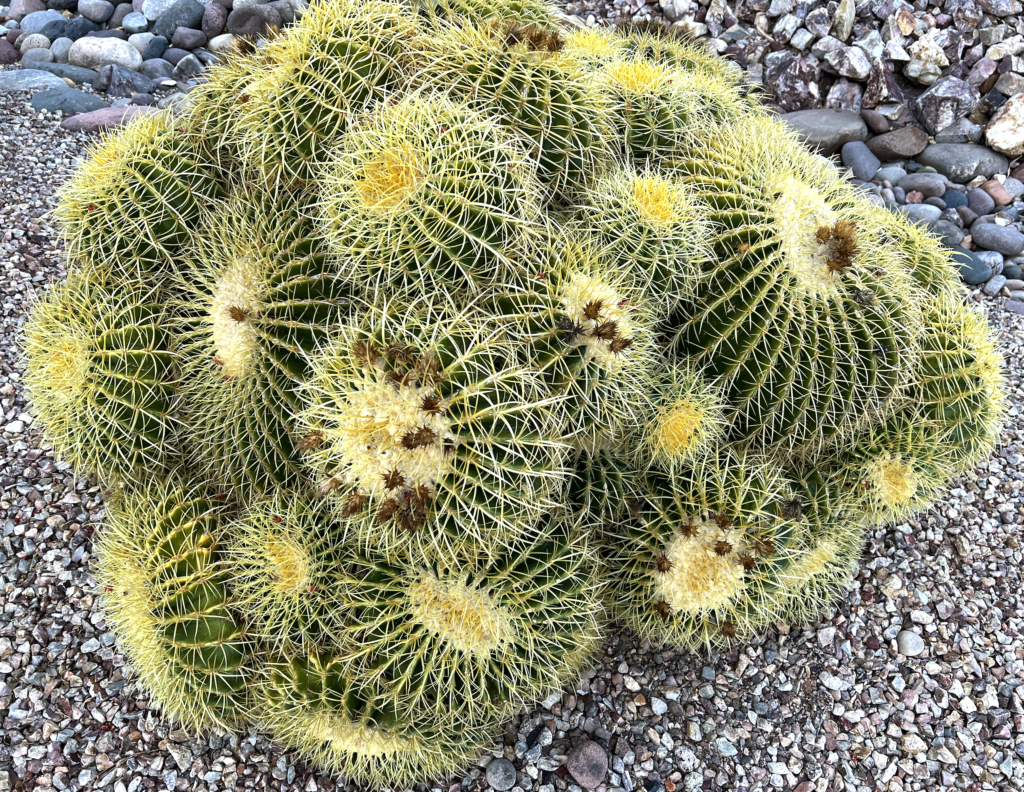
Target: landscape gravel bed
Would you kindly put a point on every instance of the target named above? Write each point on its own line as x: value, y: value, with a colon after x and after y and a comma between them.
x: 916, y: 682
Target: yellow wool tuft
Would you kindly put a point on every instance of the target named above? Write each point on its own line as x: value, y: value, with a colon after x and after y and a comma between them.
x: 700, y: 579
x: 593, y: 303
x: 233, y: 306
x: 893, y: 480
x: 638, y: 76
x: 657, y: 200
x: 391, y: 178
x: 467, y: 618
x: 800, y: 210
x: 288, y: 564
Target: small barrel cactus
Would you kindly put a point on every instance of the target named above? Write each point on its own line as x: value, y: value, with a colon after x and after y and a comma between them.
x: 102, y: 377
x: 135, y: 203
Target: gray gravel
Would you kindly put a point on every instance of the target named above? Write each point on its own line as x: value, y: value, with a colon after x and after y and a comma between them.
x: 830, y: 707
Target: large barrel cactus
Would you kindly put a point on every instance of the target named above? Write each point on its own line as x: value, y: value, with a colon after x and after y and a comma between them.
x: 443, y: 333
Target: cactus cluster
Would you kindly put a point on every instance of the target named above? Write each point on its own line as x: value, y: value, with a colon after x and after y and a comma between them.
x: 436, y: 335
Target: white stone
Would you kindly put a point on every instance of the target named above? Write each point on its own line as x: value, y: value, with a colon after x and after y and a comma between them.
x: 676, y: 9
x: 95, y: 53
x: 141, y: 40
x: 909, y: 643
x: 152, y: 9
x: 14, y: 427
x: 913, y: 744
x: 659, y: 706
x: 842, y: 22
x: 33, y: 41
x: 927, y: 60
x: 1005, y: 132
x: 221, y: 44
x: 1012, y: 46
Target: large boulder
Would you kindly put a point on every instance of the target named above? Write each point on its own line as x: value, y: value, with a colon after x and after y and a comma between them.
x: 29, y: 80
x: 37, y: 20
x: 95, y: 53
x: 827, y: 130
x: 69, y: 101
x: 946, y: 101
x: 22, y: 8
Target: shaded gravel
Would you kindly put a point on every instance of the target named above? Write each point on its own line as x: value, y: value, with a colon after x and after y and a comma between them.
x: 833, y: 707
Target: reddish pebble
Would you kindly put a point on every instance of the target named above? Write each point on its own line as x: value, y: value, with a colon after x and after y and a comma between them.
x: 915, y: 197
x: 998, y: 192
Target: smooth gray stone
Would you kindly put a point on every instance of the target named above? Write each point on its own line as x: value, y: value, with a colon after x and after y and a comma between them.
x: 961, y: 162
x: 922, y: 214
x: 859, y: 159
x: 825, y: 130
x: 30, y: 79
x: 76, y: 74
x: 1002, y: 239
x: 973, y: 270
x: 67, y: 100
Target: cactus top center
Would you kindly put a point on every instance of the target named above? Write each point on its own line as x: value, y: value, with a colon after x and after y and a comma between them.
x: 391, y: 178
x: 655, y: 199
x: 638, y: 76
x: 604, y: 318
x: 704, y: 571
x: 675, y: 431
x: 468, y: 618
x: 234, y: 305
x: 592, y: 43
x: 892, y: 480
x: 801, y: 214
x: 288, y: 565
x: 391, y: 435
x: 67, y: 367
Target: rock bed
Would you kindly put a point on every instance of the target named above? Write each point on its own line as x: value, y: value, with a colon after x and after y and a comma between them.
x: 923, y: 84
x: 915, y: 682
x: 101, y: 61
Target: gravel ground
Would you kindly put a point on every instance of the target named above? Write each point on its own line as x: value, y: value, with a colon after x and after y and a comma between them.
x: 835, y: 706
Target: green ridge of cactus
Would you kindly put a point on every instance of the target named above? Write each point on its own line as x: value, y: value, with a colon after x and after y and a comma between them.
x: 321, y: 706
x: 527, y: 12
x: 645, y: 222
x: 101, y: 377
x: 687, y: 420
x: 426, y: 197
x: 133, y: 204
x: 427, y: 426
x: 256, y: 297
x: 819, y: 574
x: 700, y: 557
x: 897, y: 468
x: 314, y: 78
x: 588, y: 329
x: 164, y: 593
x: 602, y: 477
x: 285, y: 556
x: 805, y: 317
x: 520, y: 74
x: 217, y: 105
x: 479, y: 633
x: 959, y: 382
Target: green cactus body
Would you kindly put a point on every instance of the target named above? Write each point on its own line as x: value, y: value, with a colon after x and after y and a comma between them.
x: 477, y: 634
x: 805, y: 317
x: 101, y: 377
x: 285, y: 558
x: 525, y: 12
x: 589, y: 332
x: 257, y: 297
x: 426, y: 427
x: 959, y: 381
x: 133, y: 205
x: 820, y: 571
x: 317, y: 705
x: 425, y: 197
x: 646, y: 223
x: 923, y: 255
x: 165, y: 596
x: 314, y: 77
x: 897, y: 468
x: 542, y: 95
x: 601, y: 482
x: 701, y: 556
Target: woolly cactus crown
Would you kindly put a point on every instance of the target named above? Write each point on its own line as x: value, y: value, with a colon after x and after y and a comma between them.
x: 444, y: 333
